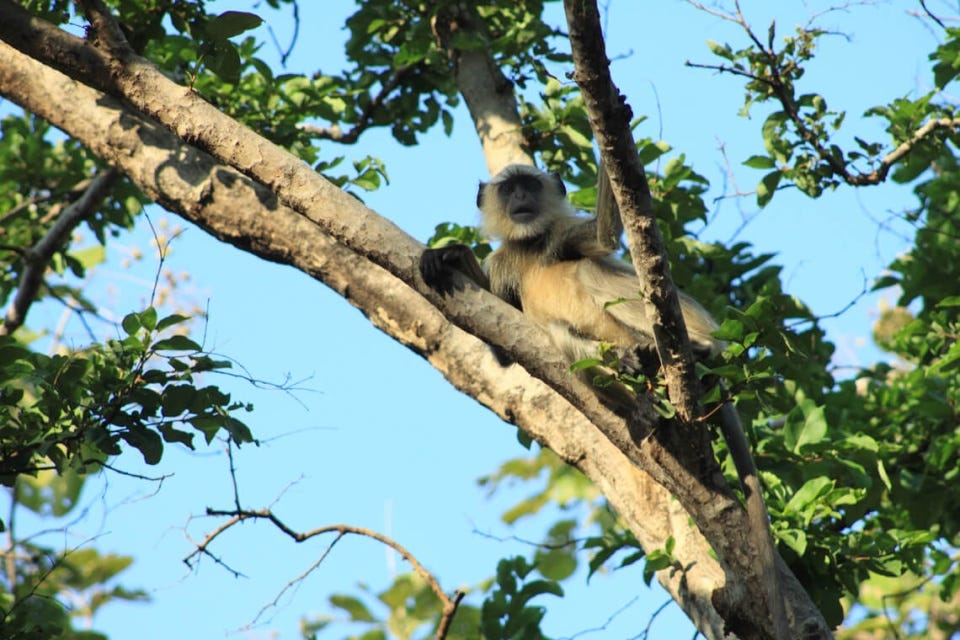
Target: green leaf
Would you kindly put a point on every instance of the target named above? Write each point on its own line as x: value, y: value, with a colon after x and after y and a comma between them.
x: 882, y: 472
x: 767, y: 187
x: 664, y: 407
x: 657, y: 560
x: 812, y: 430
x: 586, y: 363
x: 171, y: 434
x: 176, y: 343
x: 946, y: 303
x: 556, y: 564
x: 238, y: 431
x: 447, y: 118
x: 650, y: 152
x: 177, y: 399
x: 368, y: 180
x: 524, y: 438
x: 354, y: 607
x: 171, y: 320
x: 599, y: 558
x: 131, y: 323
x: 811, y: 491
x: 862, y: 442
x: 796, y: 539
x: 148, y: 442
x: 759, y: 162
x: 90, y: 256
x: 538, y: 587
x: 148, y: 318
x: 232, y: 23
x: 222, y: 58
x: 721, y: 50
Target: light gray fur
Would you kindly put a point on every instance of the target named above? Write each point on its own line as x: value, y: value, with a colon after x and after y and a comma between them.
x: 604, y: 285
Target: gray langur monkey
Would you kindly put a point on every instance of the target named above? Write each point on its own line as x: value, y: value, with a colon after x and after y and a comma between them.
x: 561, y: 272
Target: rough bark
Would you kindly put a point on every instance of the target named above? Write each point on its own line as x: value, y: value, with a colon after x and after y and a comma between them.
x: 238, y: 211
x: 685, y: 439
x: 610, y: 120
x: 373, y: 264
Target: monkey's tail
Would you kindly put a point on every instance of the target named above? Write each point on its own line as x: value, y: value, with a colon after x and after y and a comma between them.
x: 757, y: 516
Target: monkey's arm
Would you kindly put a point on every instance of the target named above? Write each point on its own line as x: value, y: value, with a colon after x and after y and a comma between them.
x: 598, y: 236
x: 437, y: 266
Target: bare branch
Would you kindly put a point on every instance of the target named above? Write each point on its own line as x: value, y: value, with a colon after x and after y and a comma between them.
x: 932, y: 16
x: 285, y: 53
x: 38, y: 257
x: 239, y: 515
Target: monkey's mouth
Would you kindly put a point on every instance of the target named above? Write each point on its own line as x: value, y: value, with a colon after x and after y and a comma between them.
x: 523, y: 215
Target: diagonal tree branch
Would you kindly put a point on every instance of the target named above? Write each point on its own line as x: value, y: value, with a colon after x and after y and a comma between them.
x: 363, y: 237
x: 238, y: 211
x: 610, y: 120
x: 689, y: 456
x: 38, y: 257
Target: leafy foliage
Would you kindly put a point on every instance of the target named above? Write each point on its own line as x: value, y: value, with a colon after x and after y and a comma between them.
x: 408, y: 608
x: 32, y: 606
x: 859, y: 473
x: 506, y: 613
x: 79, y: 408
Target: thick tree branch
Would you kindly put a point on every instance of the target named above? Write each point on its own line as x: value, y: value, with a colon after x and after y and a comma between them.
x: 37, y: 258
x: 363, y: 236
x: 686, y: 448
x: 245, y: 214
x: 488, y: 93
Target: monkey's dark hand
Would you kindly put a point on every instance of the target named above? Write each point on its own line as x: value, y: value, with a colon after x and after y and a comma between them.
x: 641, y: 359
x: 437, y: 267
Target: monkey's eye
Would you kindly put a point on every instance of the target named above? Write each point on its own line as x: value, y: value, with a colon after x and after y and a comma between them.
x: 528, y: 184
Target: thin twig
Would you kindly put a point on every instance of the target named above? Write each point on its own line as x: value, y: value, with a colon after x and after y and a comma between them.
x: 239, y: 515
x: 365, y: 119
x: 932, y: 16
x: 784, y: 96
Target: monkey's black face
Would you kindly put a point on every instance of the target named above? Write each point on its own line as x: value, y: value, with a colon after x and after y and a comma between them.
x: 520, y: 196
x: 521, y: 202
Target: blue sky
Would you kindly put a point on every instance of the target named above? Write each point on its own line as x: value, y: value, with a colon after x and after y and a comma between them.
x: 376, y: 437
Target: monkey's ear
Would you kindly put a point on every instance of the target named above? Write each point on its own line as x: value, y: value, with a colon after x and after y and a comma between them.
x: 561, y: 188
x: 480, y: 194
